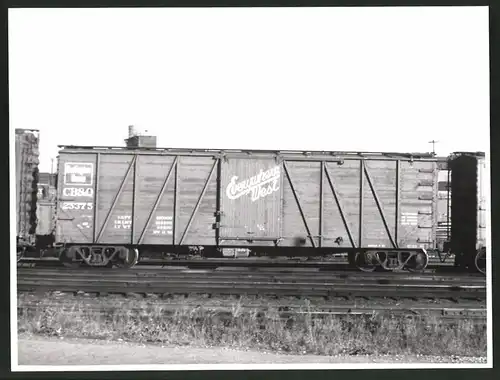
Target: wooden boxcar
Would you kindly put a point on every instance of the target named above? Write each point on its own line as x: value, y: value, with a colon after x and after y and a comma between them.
x: 468, y: 211
x: 26, y: 166
x: 380, y: 208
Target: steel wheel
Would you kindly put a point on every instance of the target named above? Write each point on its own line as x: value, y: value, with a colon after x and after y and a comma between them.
x: 418, y: 262
x: 480, y: 260
x: 66, y: 258
x: 364, y: 261
x: 131, y: 257
x: 382, y: 257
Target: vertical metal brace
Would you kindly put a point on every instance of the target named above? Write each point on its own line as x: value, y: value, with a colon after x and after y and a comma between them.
x: 176, y: 189
x: 341, y: 211
x: 199, y: 201
x: 285, y: 166
x: 379, y: 206
x: 321, y: 202
x: 281, y: 214
x: 448, y: 211
x: 96, y: 195
x: 134, y: 193
x: 361, y: 197
x: 398, y: 201
x: 435, y: 201
x: 116, y: 198
x: 218, y: 202
x: 158, y: 198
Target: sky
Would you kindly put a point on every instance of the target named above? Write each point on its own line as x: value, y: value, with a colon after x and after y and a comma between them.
x: 344, y: 79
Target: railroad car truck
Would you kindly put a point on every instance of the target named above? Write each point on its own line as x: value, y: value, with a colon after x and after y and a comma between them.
x: 26, y: 167
x: 114, y: 204
x: 468, y: 211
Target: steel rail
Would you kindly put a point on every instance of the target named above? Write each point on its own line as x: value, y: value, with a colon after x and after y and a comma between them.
x: 327, y: 266
x: 155, y: 274
x: 251, y: 261
x: 192, y: 283
x: 252, y: 289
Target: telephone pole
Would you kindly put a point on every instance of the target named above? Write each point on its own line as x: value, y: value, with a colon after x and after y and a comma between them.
x: 433, y: 142
x: 51, y: 172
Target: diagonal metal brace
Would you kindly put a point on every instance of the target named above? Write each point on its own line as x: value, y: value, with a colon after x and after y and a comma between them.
x: 341, y: 211
x: 122, y: 185
x: 379, y: 206
x: 199, y: 201
x: 298, y: 204
x: 158, y: 199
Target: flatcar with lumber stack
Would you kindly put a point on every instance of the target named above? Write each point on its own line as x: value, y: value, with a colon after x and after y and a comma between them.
x: 35, y: 196
x: 26, y: 180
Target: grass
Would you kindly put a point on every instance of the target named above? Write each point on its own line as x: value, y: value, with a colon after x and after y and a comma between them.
x: 330, y: 335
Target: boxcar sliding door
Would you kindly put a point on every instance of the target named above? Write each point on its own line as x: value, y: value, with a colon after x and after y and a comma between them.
x: 250, y: 199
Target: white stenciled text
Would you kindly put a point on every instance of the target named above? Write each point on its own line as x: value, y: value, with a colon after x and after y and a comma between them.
x: 258, y: 186
x: 123, y: 222
x: 77, y: 205
x: 163, y: 225
x: 78, y: 192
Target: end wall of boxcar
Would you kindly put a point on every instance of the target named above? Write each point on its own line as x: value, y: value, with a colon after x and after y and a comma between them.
x: 45, y: 217
x: 468, y: 214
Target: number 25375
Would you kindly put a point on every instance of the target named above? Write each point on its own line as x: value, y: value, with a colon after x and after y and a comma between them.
x: 77, y: 206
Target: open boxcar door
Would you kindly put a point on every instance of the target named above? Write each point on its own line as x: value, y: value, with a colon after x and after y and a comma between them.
x: 250, y: 201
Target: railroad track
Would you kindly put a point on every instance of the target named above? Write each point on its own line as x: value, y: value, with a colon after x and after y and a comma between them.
x: 276, y: 283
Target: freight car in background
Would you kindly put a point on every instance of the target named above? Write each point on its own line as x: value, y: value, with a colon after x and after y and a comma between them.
x: 468, y: 209
x: 35, y: 196
x: 26, y: 148
x: 461, y: 228
x: 115, y: 204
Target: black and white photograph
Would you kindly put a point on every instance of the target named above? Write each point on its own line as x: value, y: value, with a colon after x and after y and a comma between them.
x: 250, y: 188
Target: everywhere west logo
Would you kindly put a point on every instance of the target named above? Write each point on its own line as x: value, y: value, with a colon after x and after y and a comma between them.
x: 258, y: 186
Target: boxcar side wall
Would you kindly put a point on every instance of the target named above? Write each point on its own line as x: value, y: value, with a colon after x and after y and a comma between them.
x: 359, y: 203
x: 329, y: 204
x: 213, y: 200
x: 135, y: 199
x: 76, y: 198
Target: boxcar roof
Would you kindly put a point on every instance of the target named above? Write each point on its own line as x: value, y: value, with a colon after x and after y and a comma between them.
x: 205, y: 152
x: 475, y: 154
